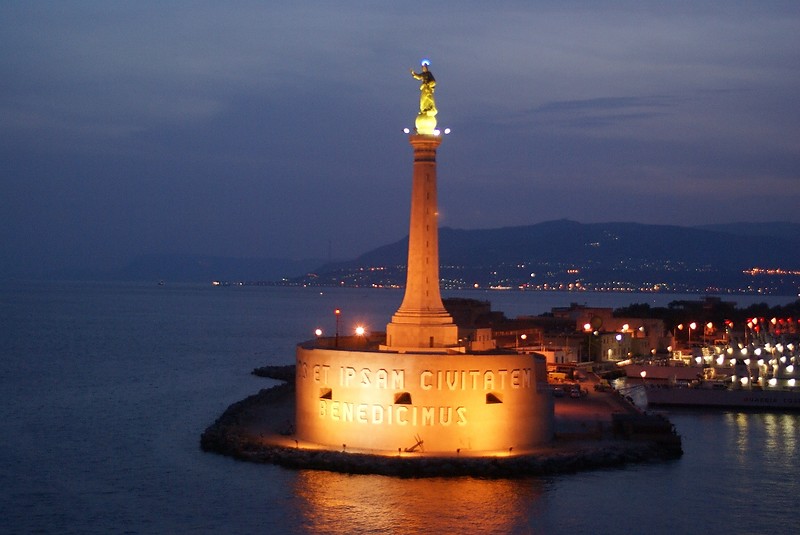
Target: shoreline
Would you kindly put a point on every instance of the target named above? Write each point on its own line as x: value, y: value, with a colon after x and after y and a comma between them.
x: 604, y: 434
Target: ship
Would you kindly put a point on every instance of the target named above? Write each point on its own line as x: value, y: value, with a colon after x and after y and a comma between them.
x: 757, y: 376
x: 722, y: 395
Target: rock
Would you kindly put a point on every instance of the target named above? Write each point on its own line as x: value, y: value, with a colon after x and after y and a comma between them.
x: 232, y: 434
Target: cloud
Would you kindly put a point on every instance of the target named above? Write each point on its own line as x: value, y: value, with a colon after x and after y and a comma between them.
x: 605, y: 112
x: 255, y: 126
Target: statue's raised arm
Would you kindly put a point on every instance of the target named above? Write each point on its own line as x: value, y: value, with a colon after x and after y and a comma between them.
x: 426, y: 120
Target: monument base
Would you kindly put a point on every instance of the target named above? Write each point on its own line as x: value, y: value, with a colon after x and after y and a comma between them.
x: 385, y: 401
x: 424, y: 333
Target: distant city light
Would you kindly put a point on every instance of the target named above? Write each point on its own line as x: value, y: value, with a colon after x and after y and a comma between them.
x: 360, y: 330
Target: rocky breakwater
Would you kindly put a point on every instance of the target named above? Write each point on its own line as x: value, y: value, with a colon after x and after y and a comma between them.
x: 260, y: 429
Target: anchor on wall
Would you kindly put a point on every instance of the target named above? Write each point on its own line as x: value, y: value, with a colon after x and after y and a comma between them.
x: 415, y: 446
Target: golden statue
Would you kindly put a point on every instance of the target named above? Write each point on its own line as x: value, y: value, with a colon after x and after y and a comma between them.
x: 426, y: 119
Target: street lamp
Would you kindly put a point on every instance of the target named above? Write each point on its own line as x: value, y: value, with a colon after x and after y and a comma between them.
x: 692, y: 325
x: 727, y: 330
x: 679, y: 327
x: 337, y: 313
x: 360, y: 332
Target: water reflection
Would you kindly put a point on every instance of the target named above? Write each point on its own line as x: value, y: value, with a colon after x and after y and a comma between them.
x: 774, y: 434
x: 762, y: 463
x: 337, y: 503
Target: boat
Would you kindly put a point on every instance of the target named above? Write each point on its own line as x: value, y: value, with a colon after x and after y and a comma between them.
x: 761, y: 375
x: 672, y: 372
x: 721, y: 394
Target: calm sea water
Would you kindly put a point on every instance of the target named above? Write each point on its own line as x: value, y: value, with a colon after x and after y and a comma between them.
x: 107, y: 387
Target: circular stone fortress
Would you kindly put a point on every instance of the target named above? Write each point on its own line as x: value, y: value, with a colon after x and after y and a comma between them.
x: 391, y: 401
x: 428, y: 385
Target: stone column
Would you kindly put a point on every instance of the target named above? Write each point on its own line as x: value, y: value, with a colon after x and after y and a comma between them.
x: 422, y: 322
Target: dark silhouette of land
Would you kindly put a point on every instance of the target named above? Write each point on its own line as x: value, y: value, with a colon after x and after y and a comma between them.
x: 554, y: 255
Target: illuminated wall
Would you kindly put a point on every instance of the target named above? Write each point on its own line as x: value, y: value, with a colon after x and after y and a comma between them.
x: 385, y: 400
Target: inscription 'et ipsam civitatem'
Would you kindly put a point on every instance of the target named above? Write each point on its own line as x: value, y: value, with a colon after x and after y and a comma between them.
x: 396, y: 378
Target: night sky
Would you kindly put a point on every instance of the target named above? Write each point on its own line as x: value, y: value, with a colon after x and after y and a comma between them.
x: 274, y: 129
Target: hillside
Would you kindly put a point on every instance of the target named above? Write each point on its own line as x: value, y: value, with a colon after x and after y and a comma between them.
x: 594, y: 256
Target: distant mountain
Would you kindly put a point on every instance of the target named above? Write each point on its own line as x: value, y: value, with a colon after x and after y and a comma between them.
x: 195, y: 268
x: 775, y: 229
x: 559, y: 254
x: 599, y: 255
x: 566, y: 241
